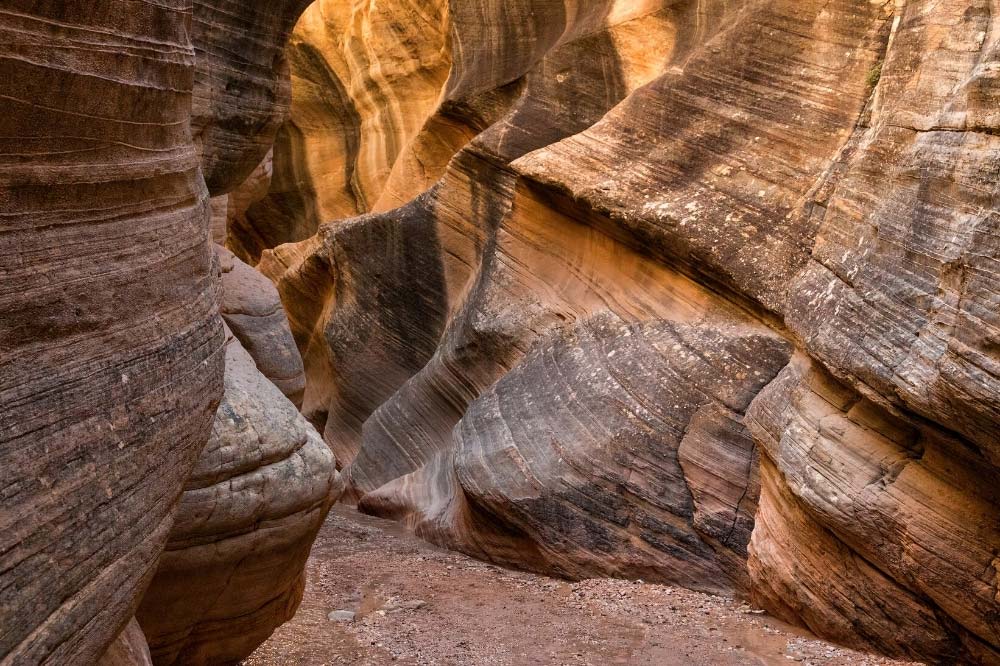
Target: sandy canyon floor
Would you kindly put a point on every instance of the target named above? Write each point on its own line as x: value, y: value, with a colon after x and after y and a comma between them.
x: 416, y: 604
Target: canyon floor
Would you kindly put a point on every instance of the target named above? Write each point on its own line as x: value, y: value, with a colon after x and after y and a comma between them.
x: 416, y: 604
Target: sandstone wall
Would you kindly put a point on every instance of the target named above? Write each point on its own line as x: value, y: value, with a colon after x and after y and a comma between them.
x: 110, y: 341
x: 111, y: 345
x: 812, y: 183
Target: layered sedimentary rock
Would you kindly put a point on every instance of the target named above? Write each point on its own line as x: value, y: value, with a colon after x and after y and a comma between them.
x: 233, y: 567
x: 891, y: 509
x: 111, y: 347
x: 242, y: 89
x: 367, y: 78
x: 784, y: 175
x: 129, y: 649
x: 110, y: 341
x: 584, y: 459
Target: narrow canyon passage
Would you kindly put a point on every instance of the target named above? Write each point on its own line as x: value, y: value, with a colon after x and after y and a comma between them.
x: 460, y: 332
x: 422, y: 606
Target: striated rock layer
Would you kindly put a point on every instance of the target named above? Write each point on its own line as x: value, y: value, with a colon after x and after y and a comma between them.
x: 366, y: 79
x: 241, y: 90
x: 698, y: 274
x: 110, y: 340
x: 233, y: 568
x: 129, y: 649
x: 111, y: 347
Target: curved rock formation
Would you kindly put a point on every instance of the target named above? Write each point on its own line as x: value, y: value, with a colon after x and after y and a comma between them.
x: 129, y: 649
x: 111, y: 361
x: 610, y: 450
x: 820, y: 175
x: 233, y: 567
x: 699, y: 291
x: 367, y: 78
x: 252, y: 310
x: 110, y: 340
x: 241, y: 90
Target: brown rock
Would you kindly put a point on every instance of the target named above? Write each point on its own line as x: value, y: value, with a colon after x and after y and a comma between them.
x: 241, y: 91
x: 233, y: 567
x: 570, y: 464
x: 888, y: 510
x: 110, y: 341
x: 632, y: 284
x: 129, y: 649
x: 825, y: 167
x: 252, y: 310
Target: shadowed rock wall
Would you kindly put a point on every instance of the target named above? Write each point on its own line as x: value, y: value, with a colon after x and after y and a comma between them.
x: 806, y: 190
x: 110, y: 341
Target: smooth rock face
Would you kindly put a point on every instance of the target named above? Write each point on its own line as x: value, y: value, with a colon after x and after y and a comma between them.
x: 110, y: 341
x: 233, y: 567
x: 252, y: 310
x: 813, y: 181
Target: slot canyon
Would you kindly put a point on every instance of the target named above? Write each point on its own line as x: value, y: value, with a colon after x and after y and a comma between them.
x: 499, y: 332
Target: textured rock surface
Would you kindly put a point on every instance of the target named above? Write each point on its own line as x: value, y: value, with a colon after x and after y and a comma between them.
x: 111, y: 347
x: 703, y: 292
x: 110, y: 341
x: 233, y: 567
x: 129, y: 649
x: 817, y: 172
x: 367, y: 78
x: 241, y: 91
x: 581, y: 460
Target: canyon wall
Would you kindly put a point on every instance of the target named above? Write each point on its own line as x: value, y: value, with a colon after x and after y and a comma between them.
x: 111, y: 345
x: 702, y: 292
x: 110, y: 342
x: 697, y: 292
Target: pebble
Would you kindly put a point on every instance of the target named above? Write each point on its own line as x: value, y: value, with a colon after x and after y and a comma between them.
x: 341, y: 616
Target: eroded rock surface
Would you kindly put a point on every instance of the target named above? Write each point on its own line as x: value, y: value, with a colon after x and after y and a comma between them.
x: 242, y: 88
x: 129, y: 649
x: 110, y: 340
x: 699, y: 292
x: 582, y: 461
x: 111, y: 344
x: 817, y: 175
x: 252, y: 310
x: 367, y: 78
x: 233, y: 567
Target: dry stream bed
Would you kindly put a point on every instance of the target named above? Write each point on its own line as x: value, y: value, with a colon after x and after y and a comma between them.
x: 416, y: 604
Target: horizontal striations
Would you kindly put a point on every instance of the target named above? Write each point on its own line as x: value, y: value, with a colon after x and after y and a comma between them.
x: 575, y: 452
x: 901, y: 293
x: 904, y: 512
x: 241, y: 90
x: 110, y: 345
x: 722, y: 149
x: 233, y: 567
